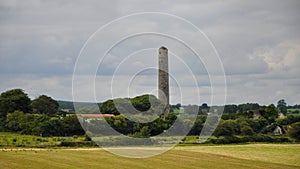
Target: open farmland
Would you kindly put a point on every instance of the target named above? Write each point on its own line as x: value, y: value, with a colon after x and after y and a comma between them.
x: 225, y: 156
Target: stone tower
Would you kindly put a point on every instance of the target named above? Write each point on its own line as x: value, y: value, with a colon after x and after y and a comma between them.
x: 163, y: 78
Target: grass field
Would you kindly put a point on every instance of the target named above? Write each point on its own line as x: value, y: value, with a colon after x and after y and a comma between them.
x: 293, y: 112
x: 281, y: 156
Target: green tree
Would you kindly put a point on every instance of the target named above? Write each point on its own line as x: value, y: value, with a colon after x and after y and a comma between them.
x: 159, y: 125
x: 294, y: 131
x: 13, y: 100
x: 108, y: 107
x: 247, y: 107
x: 145, y: 131
x: 247, y: 114
x: 147, y: 104
x: 226, y: 116
x: 52, y: 127
x: 230, y: 109
x: 142, y: 103
x: 281, y: 106
x: 198, y: 125
x: 204, y: 106
x: 14, y: 121
x: 270, y: 113
x: 226, y: 128
x: 246, y: 130
x: 72, y: 126
x: 45, y: 105
x: 257, y: 124
x: 289, y: 119
x: 26, y: 123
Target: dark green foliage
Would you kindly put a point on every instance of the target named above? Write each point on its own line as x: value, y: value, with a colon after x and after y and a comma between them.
x: 141, y: 104
x: 247, y: 114
x: 289, y: 119
x: 248, y: 106
x: 42, y: 125
x: 144, y: 133
x: 226, y: 116
x: 72, y: 126
x: 198, y: 125
x: 177, y: 106
x: 230, y: 109
x: 270, y: 113
x: 26, y: 123
x: 226, y: 128
x: 108, y: 107
x: 158, y: 126
x: 145, y: 106
x: 53, y: 127
x: 246, y: 130
x: 246, y: 139
x: 296, y: 106
x: 204, y: 109
x: 2, y: 124
x: 204, y: 106
x: 128, y: 127
x: 269, y: 128
x: 16, y: 116
x: 13, y: 120
x: 120, y: 124
x: 257, y: 124
x: 224, y: 140
x: 281, y: 105
x: 87, y: 138
x: 294, y: 131
x: 45, y: 105
x: 13, y: 100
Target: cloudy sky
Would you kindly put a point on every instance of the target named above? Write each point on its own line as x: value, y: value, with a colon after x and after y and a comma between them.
x: 258, y: 43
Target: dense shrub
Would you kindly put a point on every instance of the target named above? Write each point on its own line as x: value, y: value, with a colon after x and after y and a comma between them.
x: 246, y: 139
x: 225, y: 140
x: 226, y: 128
x: 247, y: 131
x: 289, y: 119
x: 294, y: 132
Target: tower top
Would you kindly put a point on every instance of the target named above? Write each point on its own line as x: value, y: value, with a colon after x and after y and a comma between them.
x: 164, y: 48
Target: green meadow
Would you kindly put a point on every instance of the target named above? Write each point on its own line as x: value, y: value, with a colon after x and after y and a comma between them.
x: 202, y: 156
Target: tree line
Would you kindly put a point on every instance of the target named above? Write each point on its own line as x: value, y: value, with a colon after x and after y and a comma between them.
x: 41, y: 116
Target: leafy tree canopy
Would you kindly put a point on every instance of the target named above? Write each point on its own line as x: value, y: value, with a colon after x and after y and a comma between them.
x: 270, y: 112
x: 145, y: 103
x: 281, y: 105
x: 45, y: 105
x: 13, y: 100
x: 294, y: 132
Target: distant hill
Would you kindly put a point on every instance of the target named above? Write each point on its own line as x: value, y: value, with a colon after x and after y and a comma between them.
x: 68, y: 106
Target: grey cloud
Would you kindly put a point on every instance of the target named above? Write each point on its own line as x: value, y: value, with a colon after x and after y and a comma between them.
x: 257, y: 42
